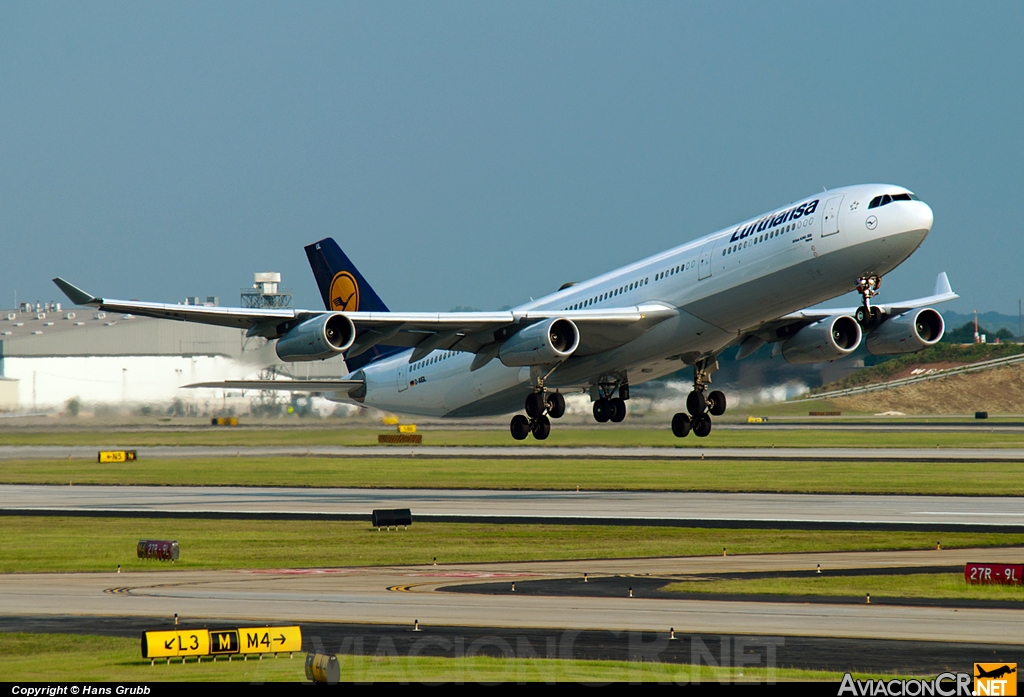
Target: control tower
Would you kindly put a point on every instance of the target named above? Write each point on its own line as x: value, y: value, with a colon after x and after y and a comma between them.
x: 266, y: 291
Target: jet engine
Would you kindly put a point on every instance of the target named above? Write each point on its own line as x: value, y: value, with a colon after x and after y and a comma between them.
x: 315, y: 339
x: 544, y: 342
x: 906, y: 333
x: 827, y: 340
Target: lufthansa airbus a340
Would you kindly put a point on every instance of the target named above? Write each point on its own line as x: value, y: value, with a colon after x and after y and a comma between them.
x: 746, y: 285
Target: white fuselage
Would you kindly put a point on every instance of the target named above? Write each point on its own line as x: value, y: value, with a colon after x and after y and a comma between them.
x: 722, y: 286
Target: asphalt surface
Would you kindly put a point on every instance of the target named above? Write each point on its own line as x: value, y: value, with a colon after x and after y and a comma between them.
x: 652, y: 587
x: 760, y: 651
x: 502, y: 506
x: 400, y: 595
x: 866, y: 454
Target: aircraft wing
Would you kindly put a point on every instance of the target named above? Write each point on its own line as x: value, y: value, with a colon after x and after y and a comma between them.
x: 943, y: 293
x: 787, y: 325
x: 600, y: 329
x: 240, y: 318
x: 288, y: 385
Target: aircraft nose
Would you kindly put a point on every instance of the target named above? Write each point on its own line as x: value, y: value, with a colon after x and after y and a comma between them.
x: 921, y: 216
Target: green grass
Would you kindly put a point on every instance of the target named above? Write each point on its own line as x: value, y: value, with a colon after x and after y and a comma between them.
x: 960, y: 478
x: 79, y: 658
x: 883, y: 586
x: 66, y: 544
x: 618, y: 436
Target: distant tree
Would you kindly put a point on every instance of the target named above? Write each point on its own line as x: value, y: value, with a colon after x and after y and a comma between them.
x: 965, y: 334
x: 961, y: 335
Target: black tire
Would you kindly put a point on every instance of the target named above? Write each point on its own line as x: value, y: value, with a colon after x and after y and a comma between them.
x: 618, y: 409
x: 861, y: 315
x: 520, y: 427
x: 680, y: 425
x: 702, y: 426
x: 535, y: 405
x: 541, y: 427
x: 716, y: 403
x: 601, y: 410
x: 696, y: 404
x: 556, y: 405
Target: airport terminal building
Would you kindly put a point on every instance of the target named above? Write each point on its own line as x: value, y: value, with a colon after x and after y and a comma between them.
x: 51, y: 355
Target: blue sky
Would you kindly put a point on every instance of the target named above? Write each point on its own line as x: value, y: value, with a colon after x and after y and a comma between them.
x: 477, y: 154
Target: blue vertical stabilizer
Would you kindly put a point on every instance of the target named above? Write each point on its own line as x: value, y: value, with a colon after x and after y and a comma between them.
x: 344, y: 289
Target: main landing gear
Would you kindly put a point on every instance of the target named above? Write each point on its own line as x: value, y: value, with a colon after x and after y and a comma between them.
x: 700, y: 403
x: 866, y: 315
x: 539, y: 406
x: 609, y: 408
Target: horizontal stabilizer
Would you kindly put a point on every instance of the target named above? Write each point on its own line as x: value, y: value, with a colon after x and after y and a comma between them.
x: 287, y: 385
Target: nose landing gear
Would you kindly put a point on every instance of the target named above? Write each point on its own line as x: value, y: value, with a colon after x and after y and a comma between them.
x: 700, y: 403
x: 866, y: 315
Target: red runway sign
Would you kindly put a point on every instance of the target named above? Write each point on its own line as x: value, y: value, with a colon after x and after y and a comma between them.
x: 1001, y: 574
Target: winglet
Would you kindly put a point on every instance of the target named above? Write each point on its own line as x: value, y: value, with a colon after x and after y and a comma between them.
x: 75, y: 294
x: 942, y: 284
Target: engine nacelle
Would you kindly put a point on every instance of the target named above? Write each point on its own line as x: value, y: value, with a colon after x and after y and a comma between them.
x: 320, y: 337
x: 906, y: 333
x: 827, y: 340
x: 544, y: 342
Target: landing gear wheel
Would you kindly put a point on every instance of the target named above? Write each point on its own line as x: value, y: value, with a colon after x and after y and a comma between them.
x: 541, y: 427
x: 716, y: 403
x: 680, y: 425
x: 862, y: 316
x: 535, y: 405
x: 556, y: 405
x: 696, y: 404
x: 617, y: 410
x: 520, y: 427
x: 601, y: 410
x: 702, y: 426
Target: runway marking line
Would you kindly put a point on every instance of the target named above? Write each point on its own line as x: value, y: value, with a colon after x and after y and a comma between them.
x: 297, y: 572
x: 405, y: 588
x: 475, y: 574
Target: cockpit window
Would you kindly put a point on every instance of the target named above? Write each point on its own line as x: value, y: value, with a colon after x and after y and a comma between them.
x: 889, y: 198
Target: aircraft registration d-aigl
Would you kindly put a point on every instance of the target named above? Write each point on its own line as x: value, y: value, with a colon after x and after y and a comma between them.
x: 747, y: 285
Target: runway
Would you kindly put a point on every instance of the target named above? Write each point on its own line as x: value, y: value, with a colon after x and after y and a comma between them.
x: 362, y: 595
x: 518, y: 452
x: 473, y: 505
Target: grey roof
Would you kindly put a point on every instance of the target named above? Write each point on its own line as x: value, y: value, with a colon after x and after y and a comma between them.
x: 85, y: 332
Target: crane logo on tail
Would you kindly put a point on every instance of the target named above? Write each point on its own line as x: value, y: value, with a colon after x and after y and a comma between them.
x: 344, y: 292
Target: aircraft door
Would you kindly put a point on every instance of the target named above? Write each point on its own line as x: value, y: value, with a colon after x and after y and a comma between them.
x: 830, y: 217
x: 704, y: 265
x: 403, y: 376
